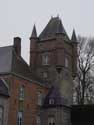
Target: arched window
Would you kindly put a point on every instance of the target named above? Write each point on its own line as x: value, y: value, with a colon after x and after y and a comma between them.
x: 1, y: 115
x: 21, y: 93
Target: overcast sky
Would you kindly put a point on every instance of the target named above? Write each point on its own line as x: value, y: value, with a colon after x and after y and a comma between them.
x: 17, y: 18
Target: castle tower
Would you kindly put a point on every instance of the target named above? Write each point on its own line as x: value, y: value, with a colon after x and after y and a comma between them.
x: 54, y: 58
x: 53, y: 50
x: 50, y: 49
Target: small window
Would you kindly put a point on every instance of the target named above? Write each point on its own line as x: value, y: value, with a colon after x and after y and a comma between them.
x: 20, y: 118
x: 40, y: 98
x: 51, y: 120
x: 45, y: 59
x: 21, y: 93
x: 44, y: 75
x: 1, y: 115
x: 38, y: 120
x: 51, y: 101
x: 66, y: 62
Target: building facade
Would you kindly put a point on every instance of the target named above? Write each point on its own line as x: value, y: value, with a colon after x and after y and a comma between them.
x: 26, y: 92
x: 41, y: 93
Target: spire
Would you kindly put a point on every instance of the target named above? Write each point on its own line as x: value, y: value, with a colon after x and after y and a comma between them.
x: 34, y: 33
x: 74, y: 38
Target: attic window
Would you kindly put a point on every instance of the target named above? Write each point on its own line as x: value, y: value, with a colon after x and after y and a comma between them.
x: 51, y: 101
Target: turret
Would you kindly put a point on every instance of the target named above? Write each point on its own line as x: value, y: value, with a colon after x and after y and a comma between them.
x: 74, y: 38
x: 33, y: 43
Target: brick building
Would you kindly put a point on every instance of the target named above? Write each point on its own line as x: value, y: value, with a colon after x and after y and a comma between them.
x: 4, y: 95
x: 25, y: 91
x: 42, y: 91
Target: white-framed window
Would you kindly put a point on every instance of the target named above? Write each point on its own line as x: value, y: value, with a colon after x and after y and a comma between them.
x: 20, y: 118
x: 66, y: 62
x: 51, y: 120
x: 51, y: 101
x: 1, y: 115
x: 45, y: 59
x: 21, y: 93
x: 40, y: 98
x: 38, y: 120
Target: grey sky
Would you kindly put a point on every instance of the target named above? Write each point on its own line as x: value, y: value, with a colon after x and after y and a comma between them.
x: 18, y: 16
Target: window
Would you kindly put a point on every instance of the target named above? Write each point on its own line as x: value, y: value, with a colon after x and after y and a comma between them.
x: 51, y: 120
x: 51, y: 101
x: 45, y: 59
x: 20, y: 118
x: 1, y: 115
x: 38, y: 120
x: 66, y: 62
x: 40, y: 98
x: 21, y: 93
x: 44, y: 75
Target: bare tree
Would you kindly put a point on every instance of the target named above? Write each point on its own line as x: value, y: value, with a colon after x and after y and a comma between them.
x: 84, y: 82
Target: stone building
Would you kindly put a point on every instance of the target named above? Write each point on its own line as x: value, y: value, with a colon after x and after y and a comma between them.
x: 4, y: 95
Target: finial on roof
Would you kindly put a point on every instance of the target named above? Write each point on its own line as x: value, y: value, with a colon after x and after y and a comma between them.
x: 74, y: 38
x: 34, y: 32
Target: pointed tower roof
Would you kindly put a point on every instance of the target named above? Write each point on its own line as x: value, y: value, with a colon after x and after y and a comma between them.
x: 34, y: 32
x: 54, y: 95
x: 74, y: 38
x: 53, y: 27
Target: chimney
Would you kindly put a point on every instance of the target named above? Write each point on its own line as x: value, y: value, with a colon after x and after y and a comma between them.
x: 17, y: 45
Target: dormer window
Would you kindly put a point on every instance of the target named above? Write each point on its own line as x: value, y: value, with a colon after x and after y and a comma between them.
x: 45, y: 59
x: 51, y: 101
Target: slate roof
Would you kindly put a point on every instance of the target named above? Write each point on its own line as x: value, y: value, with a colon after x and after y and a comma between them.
x: 54, y: 93
x: 11, y: 63
x: 3, y: 89
x: 5, y: 59
x: 53, y: 27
